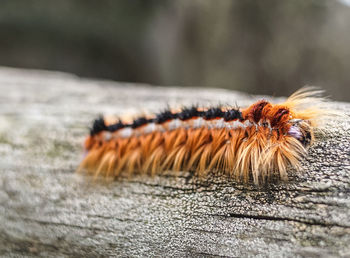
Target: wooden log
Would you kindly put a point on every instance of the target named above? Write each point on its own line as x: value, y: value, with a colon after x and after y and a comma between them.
x: 48, y: 210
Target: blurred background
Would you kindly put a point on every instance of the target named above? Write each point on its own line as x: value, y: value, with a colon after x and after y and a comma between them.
x: 265, y: 47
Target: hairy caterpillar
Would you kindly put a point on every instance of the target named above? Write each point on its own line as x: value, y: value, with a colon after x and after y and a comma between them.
x: 256, y: 143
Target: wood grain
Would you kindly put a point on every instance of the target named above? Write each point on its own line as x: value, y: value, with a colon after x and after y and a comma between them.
x: 47, y: 210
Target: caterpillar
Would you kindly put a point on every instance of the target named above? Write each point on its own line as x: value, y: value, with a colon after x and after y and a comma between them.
x: 257, y: 143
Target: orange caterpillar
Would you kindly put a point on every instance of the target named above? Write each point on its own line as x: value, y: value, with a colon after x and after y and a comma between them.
x: 256, y: 143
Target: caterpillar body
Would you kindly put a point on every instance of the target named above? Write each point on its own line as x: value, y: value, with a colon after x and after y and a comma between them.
x: 256, y: 143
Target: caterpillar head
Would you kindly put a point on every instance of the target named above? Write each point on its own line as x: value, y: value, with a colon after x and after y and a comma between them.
x: 301, y: 130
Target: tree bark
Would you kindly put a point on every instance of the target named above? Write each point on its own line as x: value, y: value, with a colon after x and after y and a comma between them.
x: 48, y: 210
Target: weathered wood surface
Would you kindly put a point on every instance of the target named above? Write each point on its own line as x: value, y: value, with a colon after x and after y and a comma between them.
x: 48, y: 210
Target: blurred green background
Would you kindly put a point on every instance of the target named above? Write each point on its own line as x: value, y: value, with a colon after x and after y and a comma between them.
x: 264, y: 47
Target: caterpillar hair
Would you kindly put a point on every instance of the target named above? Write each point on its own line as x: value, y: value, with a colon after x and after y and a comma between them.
x: 257, y: 143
